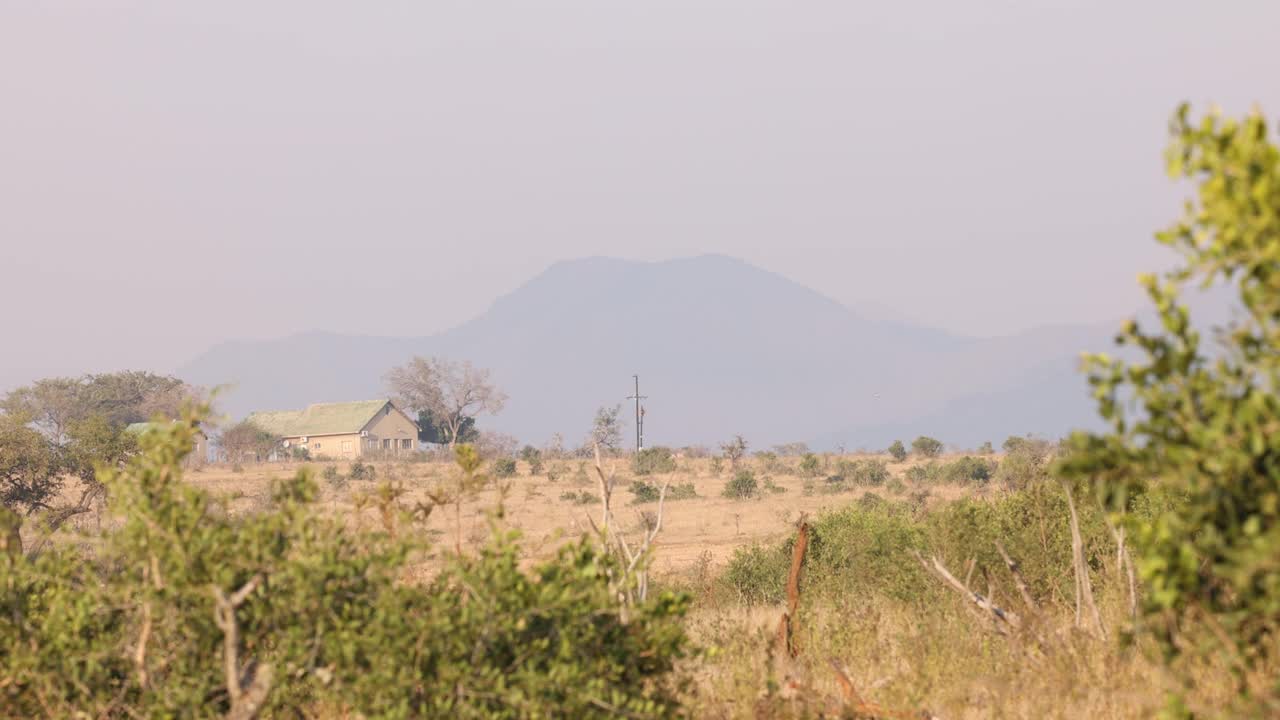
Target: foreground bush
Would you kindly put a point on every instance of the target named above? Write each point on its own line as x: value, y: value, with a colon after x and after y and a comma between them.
x: 311, y: 615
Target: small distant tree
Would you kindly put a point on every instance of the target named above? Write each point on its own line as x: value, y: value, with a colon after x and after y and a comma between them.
x: 492, y: 445
x: 244, y: 439
x: 452, y: 393
x: 606, y: 429
x: 791, y: 449
x: 555, y: 447
x: 532, y: 456
x: 927, y: 447
x: 986, y: 448
x: 734, y: 450
x: 898, y: 451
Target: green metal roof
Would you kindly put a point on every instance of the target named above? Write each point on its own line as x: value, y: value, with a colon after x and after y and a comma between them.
x: 140, y: 427
x: 319, y: 419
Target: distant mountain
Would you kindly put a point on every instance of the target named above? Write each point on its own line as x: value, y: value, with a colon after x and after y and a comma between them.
x: 721, y: 346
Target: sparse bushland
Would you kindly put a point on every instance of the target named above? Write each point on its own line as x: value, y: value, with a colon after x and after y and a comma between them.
x: 653, y: 460
x: 188, y: 611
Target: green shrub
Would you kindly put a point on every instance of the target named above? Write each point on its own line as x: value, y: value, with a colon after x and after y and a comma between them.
x: 769, y: 462
x: 1026, y: 463
x: 870, y: 473
x: 895, y: 486
x: 581, y: 497
x: 683, y: 491
x: 533, y: 457
x: 757, y: 574
x: 331, y: 473
x: 986, y: 449
x: 743, y: 485
x: 927, y: 447
x: 967, y: 471
x: 810, y: 465
x: 898, y: 451
x: 924, y: 474
x: 504, y: 467
x: 653, y: 460
x: 770, y: 486
x: 644, y: 492
x: 361, y: 471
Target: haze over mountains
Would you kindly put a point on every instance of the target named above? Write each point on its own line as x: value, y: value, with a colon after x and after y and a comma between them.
x: 721, y: 346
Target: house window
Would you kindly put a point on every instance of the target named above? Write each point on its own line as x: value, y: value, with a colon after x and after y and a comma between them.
x: 386, y: 444
x: 406, y: 444
x: 346, y: 446
x: 315, y: 445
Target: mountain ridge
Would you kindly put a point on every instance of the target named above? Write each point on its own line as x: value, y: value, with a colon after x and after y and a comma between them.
x: 721, y: 345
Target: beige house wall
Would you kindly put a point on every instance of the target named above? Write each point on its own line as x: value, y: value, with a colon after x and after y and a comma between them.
x: 334, y: 446
x: 389, y: 431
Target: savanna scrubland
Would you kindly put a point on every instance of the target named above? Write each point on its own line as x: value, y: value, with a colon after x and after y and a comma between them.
x: 1125, y: 573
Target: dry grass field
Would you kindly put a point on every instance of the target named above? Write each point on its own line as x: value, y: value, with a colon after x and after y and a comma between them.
x: 695, y: 531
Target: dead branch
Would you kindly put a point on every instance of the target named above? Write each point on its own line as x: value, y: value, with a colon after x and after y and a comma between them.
x: 1002, y: 617
x: 1124, y: 567
x: 247, y: 686
x: 1084, y: 588
x: 855, y: 705
x: 635, y: 580
x: 140, y: 653
x: 1016, y: 571
x: 786, y: 625
x: 55, y: 518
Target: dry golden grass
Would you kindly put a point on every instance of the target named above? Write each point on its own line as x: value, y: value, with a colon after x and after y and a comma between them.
x: 708, y: 526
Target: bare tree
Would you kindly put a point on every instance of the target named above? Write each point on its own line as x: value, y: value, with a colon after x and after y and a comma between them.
x: 451, y: 392
x: 606, y: 429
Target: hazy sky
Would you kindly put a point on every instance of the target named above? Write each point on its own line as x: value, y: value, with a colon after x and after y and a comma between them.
x: 176, y: 173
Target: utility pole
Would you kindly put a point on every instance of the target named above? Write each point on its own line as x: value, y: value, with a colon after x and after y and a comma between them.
x: 639, y: 414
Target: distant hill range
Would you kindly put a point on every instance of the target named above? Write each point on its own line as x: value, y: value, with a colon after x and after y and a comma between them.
x: 722, y: 347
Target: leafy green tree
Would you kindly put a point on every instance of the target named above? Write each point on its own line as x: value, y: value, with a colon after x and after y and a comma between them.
x: 1207, y: 429
x: 53, y: 405
x: 431, y: 430
x: 31, y: 467
x: 927, y: 447
x: 897, y: 451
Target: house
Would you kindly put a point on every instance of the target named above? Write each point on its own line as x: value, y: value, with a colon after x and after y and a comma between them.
x: 343, y: 430
x: 199, y: 443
